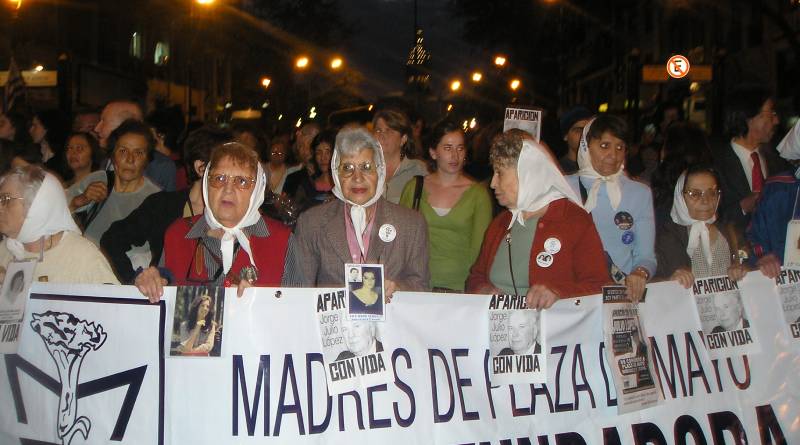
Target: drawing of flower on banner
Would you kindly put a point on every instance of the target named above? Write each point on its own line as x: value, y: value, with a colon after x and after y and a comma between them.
x: 68, y: 339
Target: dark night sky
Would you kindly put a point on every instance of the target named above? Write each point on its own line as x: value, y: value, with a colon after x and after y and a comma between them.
x: 383, y: 36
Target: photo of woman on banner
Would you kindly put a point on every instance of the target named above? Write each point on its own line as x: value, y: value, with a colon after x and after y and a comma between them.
x: 361, y: 227
x: 545, y: 245
x: 729, y: 312
x: 231, y: 243
x: 523, y: 333
x: 365, y: 297
x: 197, y: 321
x: 360, y: 338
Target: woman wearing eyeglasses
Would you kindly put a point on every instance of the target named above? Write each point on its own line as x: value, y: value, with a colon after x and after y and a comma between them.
x: 690, y: 244
x: 231, y: 243
x: 38, y: 225
x: 361, y: 226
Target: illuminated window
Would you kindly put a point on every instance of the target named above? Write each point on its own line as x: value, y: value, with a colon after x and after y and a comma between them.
x: 161, y: 55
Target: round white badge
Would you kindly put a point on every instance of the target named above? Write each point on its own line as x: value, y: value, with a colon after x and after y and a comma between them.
x: 387, y: 233
x: 552, y: 246
x: 544, y: 259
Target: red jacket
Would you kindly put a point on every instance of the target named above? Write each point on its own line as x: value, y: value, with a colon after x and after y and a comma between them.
x: 579, y: 268
x: 269, y: 253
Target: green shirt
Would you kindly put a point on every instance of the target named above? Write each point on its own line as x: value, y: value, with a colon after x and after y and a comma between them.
x: 454, y: 239
x: 521, y: 243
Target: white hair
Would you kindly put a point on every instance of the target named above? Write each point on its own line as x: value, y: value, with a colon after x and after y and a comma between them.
x: 352, y: 140
x: 29, y: 178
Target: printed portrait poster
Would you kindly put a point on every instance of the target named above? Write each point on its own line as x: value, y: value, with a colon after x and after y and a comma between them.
x: 627, y: 352
x: 365, y: 291
x: 352, y: 350
x: 791, y: 249
x: 527, y: 119
x: 723, y: 317
x: 13, y: 296
x: 197, y: 323
x: 788, y: 282
x: 516, y: 341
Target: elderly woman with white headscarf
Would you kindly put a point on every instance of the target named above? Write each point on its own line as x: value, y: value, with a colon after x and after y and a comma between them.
x: 231, y: 243
x: 690, y: 244
x: 361, y: 226
x: 37, y: 223
x: 622, y: 209
x: 544, y: 246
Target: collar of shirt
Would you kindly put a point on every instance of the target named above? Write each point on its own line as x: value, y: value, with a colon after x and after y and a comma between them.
x: 747, y: 162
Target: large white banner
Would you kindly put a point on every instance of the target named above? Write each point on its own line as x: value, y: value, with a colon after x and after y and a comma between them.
x: 96, y: 371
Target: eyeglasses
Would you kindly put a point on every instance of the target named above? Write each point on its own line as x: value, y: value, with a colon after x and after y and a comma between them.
x: 697, y: 195
x: 240, y: 182
x: 348, y: 169
x: 6, y: 199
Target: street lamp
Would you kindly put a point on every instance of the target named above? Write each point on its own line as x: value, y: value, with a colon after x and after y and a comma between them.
x: 455, y: 85
x: 500, y: 61
x: 336, y: 63
x: 16, y: 3
x: 265, y: 81
x: 301, y: 62
x: 477, y: 76
x: 204, y: 2
x: 514, y: 84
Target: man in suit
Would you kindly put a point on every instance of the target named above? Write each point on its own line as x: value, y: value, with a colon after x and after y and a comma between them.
x: 743, y: 160
x: 729, y: 313
x: 360, y: 339
x: 523, y: 327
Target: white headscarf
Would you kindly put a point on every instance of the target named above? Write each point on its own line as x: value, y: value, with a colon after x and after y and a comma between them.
x: 361, y: 138
x: 587, y: 170
x: 789, y: 148
x: 540, y: 181
x: 698, y: 234
x: 47, y: 215
x: 235, y: 232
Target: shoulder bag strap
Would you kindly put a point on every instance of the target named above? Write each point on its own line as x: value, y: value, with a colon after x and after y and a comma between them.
x: 417, y: 191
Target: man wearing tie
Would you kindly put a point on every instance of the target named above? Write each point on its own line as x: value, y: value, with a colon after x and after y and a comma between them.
x: 745, y: 161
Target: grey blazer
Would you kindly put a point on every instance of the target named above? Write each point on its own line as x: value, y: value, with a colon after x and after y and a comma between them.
x: 322, y: 250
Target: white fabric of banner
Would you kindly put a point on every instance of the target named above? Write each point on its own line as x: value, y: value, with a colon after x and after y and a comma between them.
x: 269, y: 384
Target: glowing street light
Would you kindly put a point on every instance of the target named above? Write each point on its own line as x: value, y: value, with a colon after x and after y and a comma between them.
x: 16, y: 4
x: 449, y: 107
x: 265, y: 81
x: 514, y: 84
x: 336, y: 63
x: 301, y: 62
x: 455, y: 85
x: 477, y: 76
x: 205, y: 2
x: 500, y: 61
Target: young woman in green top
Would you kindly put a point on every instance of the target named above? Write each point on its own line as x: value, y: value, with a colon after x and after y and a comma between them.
x: 457, y: 208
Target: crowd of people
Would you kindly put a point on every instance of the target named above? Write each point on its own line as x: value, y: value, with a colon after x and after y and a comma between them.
x: 131, y: 198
